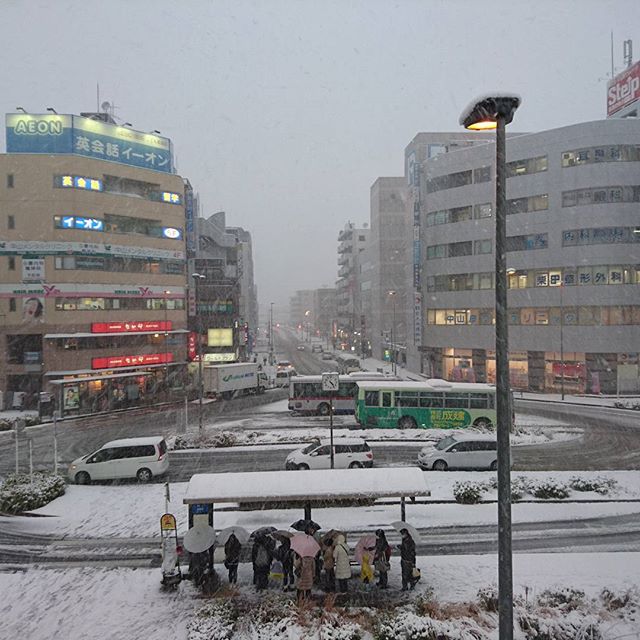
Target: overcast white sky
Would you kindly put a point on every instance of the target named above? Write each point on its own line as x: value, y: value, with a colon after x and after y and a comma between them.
x: 284, y: 112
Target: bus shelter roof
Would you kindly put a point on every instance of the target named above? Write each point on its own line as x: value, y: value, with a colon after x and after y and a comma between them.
x: 305, y: 486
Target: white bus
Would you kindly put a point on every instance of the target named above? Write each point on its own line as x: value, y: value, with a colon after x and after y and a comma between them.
x: 306, y: 394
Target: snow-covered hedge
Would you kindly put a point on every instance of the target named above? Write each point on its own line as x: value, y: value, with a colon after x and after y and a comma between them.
x: 7, y: 424
x: 468, y: 492
x: 550, y: 490
x: 599, y: 484
x: 18, y: 494
x: 220, y: 439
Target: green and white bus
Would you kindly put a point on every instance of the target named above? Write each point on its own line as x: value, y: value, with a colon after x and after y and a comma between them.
x: 433, y: 404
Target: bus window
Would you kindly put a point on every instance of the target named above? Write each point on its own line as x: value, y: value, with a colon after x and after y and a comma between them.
x: 371, y: 398
x: 478, y: 401
x: 431, y: 400
x: 406, y: 399
x: 456, y: 400
x: 386, y: 398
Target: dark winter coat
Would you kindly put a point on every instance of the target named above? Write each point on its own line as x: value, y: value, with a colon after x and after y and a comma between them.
x: 382, y: 551
x: 408, y: 551
x: 232, y: 549
x: 284, y: 554
x: 261, y: 559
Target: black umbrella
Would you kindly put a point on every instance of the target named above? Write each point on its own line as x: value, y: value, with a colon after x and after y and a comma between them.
x: 305, y: 525
x: 262, y: 532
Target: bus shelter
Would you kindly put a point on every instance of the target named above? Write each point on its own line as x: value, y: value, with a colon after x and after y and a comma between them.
x: 300, y: 489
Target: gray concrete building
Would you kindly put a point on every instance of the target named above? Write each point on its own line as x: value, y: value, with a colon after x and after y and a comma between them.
x: 352, y: 242
x: 573, y: 227
x: 384, y: 272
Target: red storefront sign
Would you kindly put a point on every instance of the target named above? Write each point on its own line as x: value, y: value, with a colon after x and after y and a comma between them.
x: 192, y: 346
x: 131, y: 361
x: 126, y: 327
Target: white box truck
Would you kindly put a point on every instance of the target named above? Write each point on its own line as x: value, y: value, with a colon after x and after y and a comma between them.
x: 229, y: 380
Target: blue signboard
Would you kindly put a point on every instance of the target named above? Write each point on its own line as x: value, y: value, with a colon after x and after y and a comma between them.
x: 77, y: 222
x: 66, y: 134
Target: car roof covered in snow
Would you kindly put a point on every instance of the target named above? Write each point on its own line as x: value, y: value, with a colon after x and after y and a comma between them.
x: 134, y: 442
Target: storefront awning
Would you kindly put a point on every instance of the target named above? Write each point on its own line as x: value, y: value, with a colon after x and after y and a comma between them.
x: 137, y: 370
x: 109, y: 376
x: 55, y: 336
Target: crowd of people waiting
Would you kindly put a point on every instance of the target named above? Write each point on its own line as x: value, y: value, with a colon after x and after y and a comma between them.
x: 330, y: 567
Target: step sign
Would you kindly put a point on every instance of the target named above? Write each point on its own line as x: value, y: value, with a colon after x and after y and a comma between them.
x: 330, y: 381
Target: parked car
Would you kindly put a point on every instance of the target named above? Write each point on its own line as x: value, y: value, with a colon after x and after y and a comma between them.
x: 349, y: 453
x: 316, y: 348
x: 466, y: 451
x: 141, y: 458
x: 327, y: 356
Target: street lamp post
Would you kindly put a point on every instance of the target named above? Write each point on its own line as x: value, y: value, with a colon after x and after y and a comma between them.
x: 393, y: 333
x: 271, y: 335
x: 495, y: 112
x: 166, y: 347
x: 197, y: 277
x: 561, y: 342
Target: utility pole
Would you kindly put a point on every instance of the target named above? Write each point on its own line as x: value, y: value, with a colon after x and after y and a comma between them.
x: 271, y: 335
x: 197, y: 277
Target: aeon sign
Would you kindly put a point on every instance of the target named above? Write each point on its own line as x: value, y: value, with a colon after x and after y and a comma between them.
x: 624, y: 89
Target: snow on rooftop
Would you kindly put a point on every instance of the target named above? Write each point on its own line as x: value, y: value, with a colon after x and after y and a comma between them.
x: 209, y: 488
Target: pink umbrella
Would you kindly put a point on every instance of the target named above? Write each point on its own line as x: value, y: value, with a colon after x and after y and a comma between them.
x: 367, y: 542
x: 305, y: 546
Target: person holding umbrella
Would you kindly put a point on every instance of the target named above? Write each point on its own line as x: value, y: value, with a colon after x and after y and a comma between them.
x: 306, y: 548
x: 329, y: 564
x: 232, y: 549
x: 261, y: 556
x: 407, y: 560
x: 342, y: 565
x: 381, y: 557
x: 285, y: 555
x: 305, y: 571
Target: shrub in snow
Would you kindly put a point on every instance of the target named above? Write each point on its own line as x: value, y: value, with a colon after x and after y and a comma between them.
x: 574, y: 626
x: 627, y: 603
x: 409, y: 626
x: 566, y: 599
x: 341, y: 630
x: 550, y: 490
x: 488, y: 599
x: 224, y: 439
x: 214, y: 621
x: 599, y: 484
x: 5, y: 425
x: 468, y: 492
x: 519, y: 486
x: 18, y: 494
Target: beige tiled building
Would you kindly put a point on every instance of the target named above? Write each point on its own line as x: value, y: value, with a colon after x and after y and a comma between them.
x: 92, y: 282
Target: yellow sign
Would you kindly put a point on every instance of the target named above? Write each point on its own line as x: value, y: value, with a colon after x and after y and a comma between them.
x: 220, y: 337
x: 168, y: 522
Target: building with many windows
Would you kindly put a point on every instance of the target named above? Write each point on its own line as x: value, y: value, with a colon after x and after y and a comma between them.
x: 223, y: 304
x: 573, y: 227
x: 92, y: 253
x: 352, y: 242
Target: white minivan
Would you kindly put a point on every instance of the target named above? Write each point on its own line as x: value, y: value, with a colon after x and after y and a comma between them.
x: 349, y: 453
x: 141, y: 458
x: 464, y: 451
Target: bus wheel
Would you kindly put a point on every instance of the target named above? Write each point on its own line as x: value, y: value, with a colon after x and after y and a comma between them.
x: 440, y: 465
x: 323, y: 409
x: 407, y: 422
x: 483, y: 423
